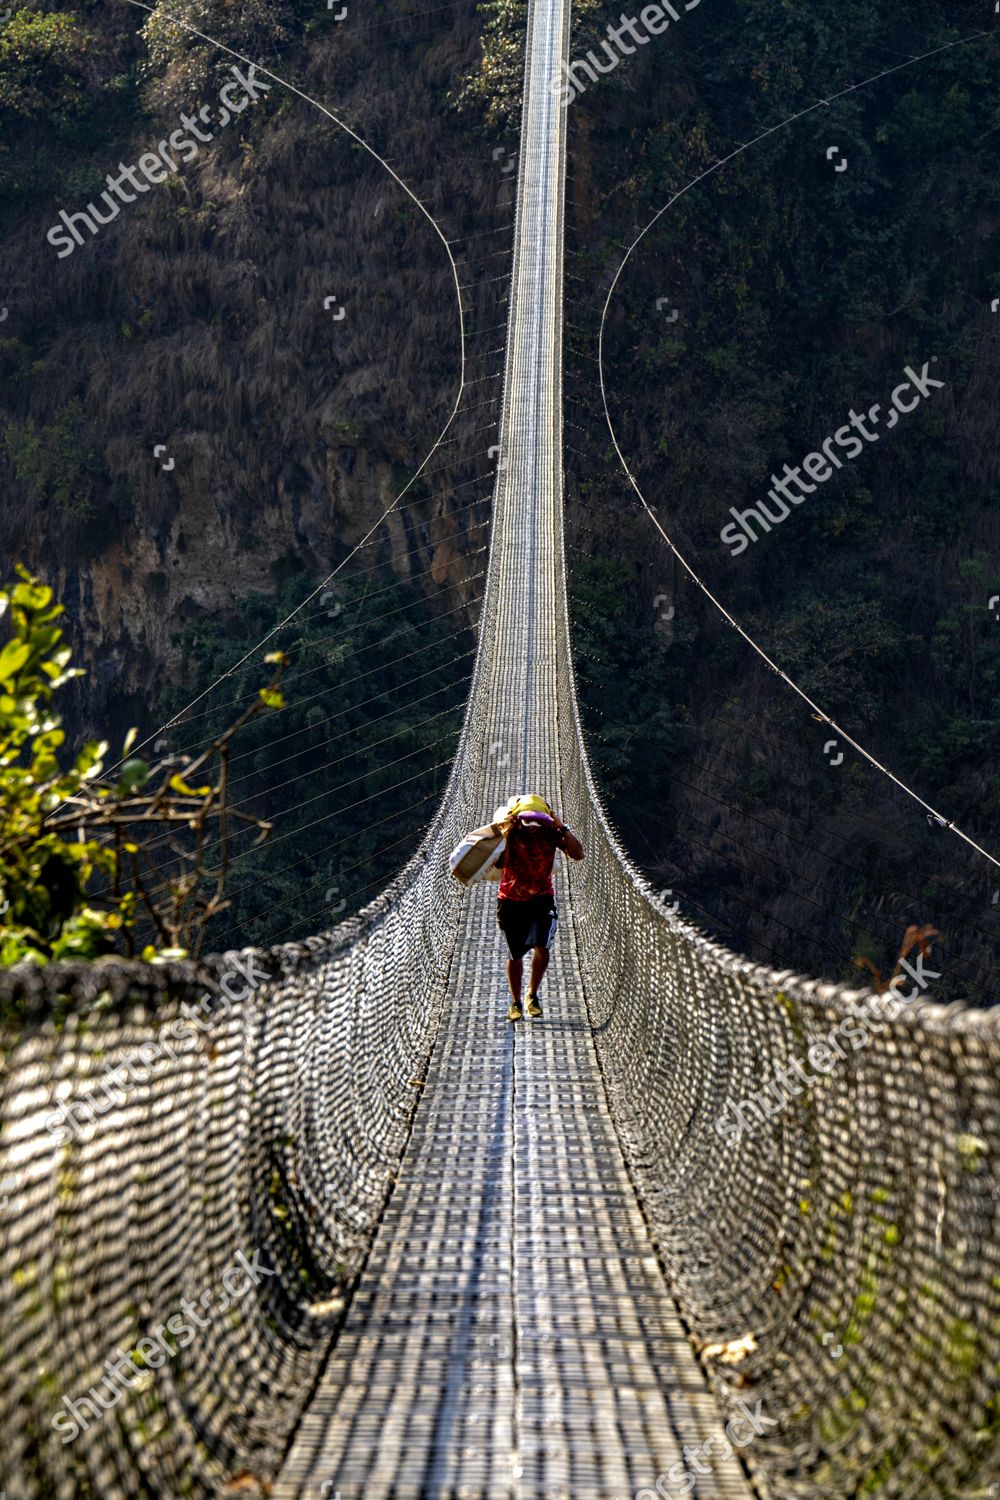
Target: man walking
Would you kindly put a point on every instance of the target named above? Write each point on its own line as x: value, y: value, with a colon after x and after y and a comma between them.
x: 526, y: 908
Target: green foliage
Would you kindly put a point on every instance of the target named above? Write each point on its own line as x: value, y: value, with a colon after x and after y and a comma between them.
x: 62, y: 830
x: 43, y: 65
x: 495, y: 90
x: 181, y: 65
x: 45, y: 877
x: 56, y: 462
x: 351, y: 772
x: 629, y: 683
x: 842, y: 648
x: 66, y: 103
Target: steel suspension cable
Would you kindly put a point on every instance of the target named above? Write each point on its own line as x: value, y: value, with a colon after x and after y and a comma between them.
x: 338, y: 687
x: 292, y: 88
x: 782, y: 833
x: 650, y: 512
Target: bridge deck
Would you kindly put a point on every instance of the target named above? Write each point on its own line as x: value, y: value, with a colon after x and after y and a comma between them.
x: 512, y: 1334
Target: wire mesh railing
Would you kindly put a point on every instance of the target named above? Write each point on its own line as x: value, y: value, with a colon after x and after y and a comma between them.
x: 819, y: 1168
x: 193, y: 1162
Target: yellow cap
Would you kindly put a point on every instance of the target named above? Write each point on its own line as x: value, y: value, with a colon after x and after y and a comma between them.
x: 527, y: 802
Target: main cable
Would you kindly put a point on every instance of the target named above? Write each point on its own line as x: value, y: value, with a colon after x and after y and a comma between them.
x: 823, y: 717
x: 799, y: 819
x: 292, y: 88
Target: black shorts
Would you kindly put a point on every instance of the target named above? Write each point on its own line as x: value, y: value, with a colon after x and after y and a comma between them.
x: 527, y: 924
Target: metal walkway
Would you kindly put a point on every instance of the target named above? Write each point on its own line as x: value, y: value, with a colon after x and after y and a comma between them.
x: 512, y: 1334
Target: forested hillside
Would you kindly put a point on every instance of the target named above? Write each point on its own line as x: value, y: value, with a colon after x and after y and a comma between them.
x: 790, y: 287
x: 280, y: 320
x: 271, y: 339
x: 270, y: 349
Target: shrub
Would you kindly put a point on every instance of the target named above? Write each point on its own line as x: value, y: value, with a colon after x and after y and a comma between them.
x: 62, y: 831
x: 43, y: 66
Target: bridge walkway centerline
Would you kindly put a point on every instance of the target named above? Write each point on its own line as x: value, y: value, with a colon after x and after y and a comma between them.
x: 511, y: 1334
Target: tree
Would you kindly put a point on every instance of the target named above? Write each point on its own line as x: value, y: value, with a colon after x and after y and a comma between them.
x: 44, y: 66
x: 80, y: 858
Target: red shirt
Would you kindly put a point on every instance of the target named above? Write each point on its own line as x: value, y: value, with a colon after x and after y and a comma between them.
x: 527, y: 862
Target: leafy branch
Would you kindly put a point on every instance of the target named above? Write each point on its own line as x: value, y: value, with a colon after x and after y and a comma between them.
x: 84, y: 861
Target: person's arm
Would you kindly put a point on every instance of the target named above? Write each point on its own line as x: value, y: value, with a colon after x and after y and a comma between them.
x: 567, y: 839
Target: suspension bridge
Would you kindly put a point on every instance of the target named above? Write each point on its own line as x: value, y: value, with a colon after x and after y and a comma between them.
x: 706, y: 1229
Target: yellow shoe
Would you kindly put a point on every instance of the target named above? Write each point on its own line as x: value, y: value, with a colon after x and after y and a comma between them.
x: 534, y: 1009
x: 515, y: 1013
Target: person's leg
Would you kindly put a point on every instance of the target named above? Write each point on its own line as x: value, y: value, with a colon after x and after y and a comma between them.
x: 510, y: 918
x: 539, y: 964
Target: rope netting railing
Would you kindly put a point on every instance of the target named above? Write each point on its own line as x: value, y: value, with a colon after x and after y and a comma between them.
x: 192, y: 1164
x: 819, y: 1168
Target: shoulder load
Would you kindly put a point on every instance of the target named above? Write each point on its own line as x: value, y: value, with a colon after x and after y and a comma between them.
x: 475, y: 857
